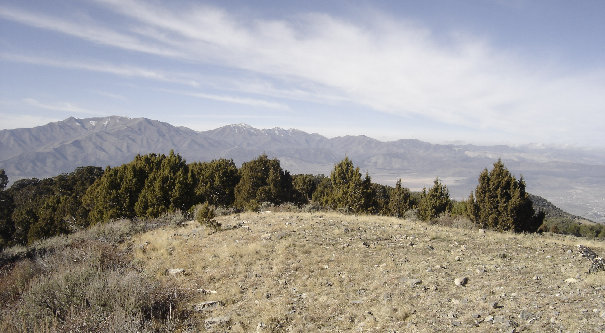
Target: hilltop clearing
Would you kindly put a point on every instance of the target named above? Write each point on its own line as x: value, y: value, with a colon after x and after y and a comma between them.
x: 328, y: 272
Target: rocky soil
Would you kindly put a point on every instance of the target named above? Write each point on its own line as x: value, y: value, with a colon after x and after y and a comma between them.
x: 328, y: 272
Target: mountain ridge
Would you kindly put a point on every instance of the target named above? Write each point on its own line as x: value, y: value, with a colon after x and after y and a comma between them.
x: 572, y: 179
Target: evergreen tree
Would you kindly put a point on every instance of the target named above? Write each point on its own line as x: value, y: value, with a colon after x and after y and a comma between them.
x: 500, y: 202
x: 399, y: 200
x: 349, y: 191
x: 434, y: 202
x: 380, y: 201
x: 50, y: 220
x: 214, y: 182
x: 306, y: 185
x: 116, y: 193
x: 167, y: 188
x: 3, y: 180
x: 6, y: 210
x: 263, y: 180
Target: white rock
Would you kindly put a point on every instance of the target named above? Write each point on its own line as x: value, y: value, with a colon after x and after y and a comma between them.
x: 461, y: 281
x: 571, y: 280
x: 175, y: 271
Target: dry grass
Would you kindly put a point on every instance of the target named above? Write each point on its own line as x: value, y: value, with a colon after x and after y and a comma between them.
x: 329, y: 272
x: 86, y: 282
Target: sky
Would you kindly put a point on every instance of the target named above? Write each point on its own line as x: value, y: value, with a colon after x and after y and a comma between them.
x: 474, y: 71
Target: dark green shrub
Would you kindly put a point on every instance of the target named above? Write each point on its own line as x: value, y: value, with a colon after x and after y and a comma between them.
x: 205, y: 215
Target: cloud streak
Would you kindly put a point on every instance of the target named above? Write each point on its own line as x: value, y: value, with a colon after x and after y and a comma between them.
x: 383, y: 64
x: 63, y: 107
x: 125, y: 70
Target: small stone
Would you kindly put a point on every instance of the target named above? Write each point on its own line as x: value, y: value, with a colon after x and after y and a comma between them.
x: 476, y: 316
x: 458, y: 258
x: 495, y: 305
x: 206, y: 291
x: 501, y: 320
x: 571, y: 280
x: 526, y: 315
x: 461, y: 281
x: 211, y: 322
x: 489, y: 319
x: 207, y: 306
x: 536, y: 277
x: 175, y: 271
x: 481, y: 270
x: 414, y: 282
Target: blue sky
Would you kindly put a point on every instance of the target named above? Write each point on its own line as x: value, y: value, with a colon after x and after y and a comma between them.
x: 476, y: 71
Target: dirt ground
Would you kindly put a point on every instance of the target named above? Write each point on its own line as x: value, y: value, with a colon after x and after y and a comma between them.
x: 304, y: 272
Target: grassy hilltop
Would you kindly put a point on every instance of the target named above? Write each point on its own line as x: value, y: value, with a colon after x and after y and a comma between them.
x: 295, y: 271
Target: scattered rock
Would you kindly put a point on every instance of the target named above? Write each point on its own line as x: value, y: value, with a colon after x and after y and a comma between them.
x: 536, y: 277
x: 207, y: 306
x: 216, y: 321
x: 461, y: 281
x: 458, y: 258
x: 175, y: 271
x: 411, y: 282
x: 496, y: 305
x: 206, y: 291
x: 598, y: 263
x: 526, y: 315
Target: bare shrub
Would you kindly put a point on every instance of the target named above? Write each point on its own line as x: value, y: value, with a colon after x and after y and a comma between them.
x: 86, y: 282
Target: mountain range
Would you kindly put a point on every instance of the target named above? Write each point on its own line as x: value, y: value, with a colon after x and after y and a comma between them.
x: 571, y: 178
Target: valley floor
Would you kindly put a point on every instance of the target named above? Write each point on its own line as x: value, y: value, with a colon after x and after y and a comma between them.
x: 307, y: 272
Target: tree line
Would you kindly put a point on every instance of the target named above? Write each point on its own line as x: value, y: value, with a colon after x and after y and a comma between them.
x: 154, y: 184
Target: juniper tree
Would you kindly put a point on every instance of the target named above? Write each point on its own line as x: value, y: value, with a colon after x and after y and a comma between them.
x: 6, y: 210
x: 167, y: 188
x: 263, y: 180
x: 434, y: 202
x: 500, y: 202
x: 399, y: 200
x: 214, y: 182
x: 348, y: 190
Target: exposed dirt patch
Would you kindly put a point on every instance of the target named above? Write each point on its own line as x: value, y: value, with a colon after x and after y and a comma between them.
x: 330, y: 272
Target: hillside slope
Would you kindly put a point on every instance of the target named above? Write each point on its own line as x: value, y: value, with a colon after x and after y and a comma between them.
x: 328, y: 272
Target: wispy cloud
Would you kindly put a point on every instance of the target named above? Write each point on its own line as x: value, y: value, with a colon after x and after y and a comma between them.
x: 123, y: 70
x: 383, y: 64
x: 67, y: 107
x: 232, y: 99
x: 87, y: 30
